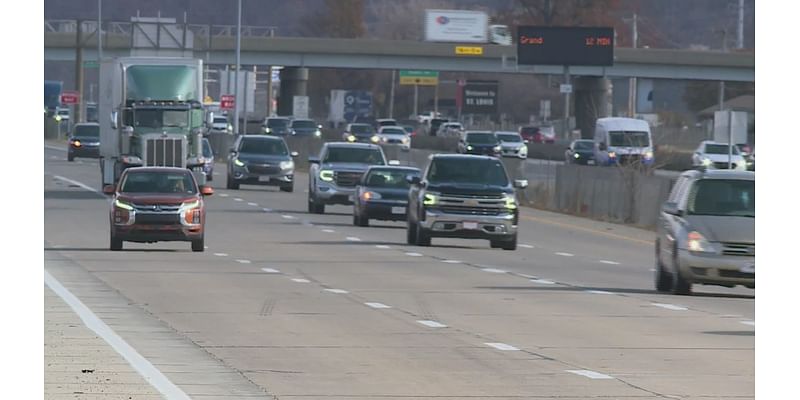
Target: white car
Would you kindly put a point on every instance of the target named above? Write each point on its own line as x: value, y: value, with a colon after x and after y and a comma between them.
x: 714, y: 155
x: 395, y: 135
x: 512, y: 144
x: 221, y: 124
x: 450, y: 129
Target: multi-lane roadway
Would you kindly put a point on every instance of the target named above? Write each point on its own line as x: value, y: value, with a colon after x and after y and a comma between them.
x: 306, y: 306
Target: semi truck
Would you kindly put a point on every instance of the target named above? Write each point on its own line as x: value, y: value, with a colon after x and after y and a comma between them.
x: 151, y: 114
x: 464, y: 26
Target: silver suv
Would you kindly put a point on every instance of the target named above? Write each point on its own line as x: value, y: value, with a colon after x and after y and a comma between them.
x: 334, y: 174
x: 706, y: 232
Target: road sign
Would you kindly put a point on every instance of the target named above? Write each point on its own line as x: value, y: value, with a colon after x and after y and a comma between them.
x: 91, y: 64
x: 426, y: 78
x: 565, y: 88
x: 226, y: 102
x: 548, y: 45
x: 70, y: 97
x: 469, y: 50
x: 480, y: 97
x: 300, y: 106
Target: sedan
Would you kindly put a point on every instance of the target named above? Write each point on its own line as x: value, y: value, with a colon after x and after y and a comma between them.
x: 382, y: 193
x: 580, y: 152
x: 713, y: 155
x: 84, y: 141
x: 394, y: 135
x: 512, y: 145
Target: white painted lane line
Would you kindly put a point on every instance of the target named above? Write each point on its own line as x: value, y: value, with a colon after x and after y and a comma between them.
x: 377, y: 305
x: 526, y: 246
x: 451, y: 261
x: 751, y: 323
x: 599, y: 292
x: 237, y: 199
x: 221, y: 254
x: 271, y: 270
x: 300, y: 280
x: 493, y: 270
x: 338, y: 291
x: 79, y: 184
x: 353, y: 239
x: 670, y: 306
x: 285, y: 216
x: 609, y: 262
x: 502, y: 346
x: 328, y: 230
x: 253, y: 204
x: 412, y: 254
x: 432, y: 324
x: 148, y: 371
x: 565, y: 254
x: 382, y: 246
x: 589, y: 374
x: 223, y: 195
x: 266, y: 209
x: 527, y: 276
x: 243, y: 261
x: 543, y: 281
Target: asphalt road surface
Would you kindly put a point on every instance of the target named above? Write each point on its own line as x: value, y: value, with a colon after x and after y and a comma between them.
x: 310, y: 307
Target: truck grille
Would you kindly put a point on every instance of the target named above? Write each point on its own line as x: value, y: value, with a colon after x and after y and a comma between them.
x: 347, y: 178
x: 739, y: 249
x: 164, y: 152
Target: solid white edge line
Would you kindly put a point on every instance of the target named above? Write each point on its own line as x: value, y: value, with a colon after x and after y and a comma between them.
x: 502, y: 346
x: 432, y: 324
x: 589, y: 374
x: 751, y: 323
x: 147, y: 370
x: 76, y: 183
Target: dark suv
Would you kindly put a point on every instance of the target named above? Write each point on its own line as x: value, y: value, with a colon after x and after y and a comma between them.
x: 261, y: 160
x: 474, y: 142
x: 84, y: 141
x: 464, y: 196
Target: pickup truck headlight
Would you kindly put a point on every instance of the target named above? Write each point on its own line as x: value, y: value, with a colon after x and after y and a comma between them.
x: 238, y: 163
x: 706, y: 161
x: 612, y: 154
x: 326, y: 175
x: 286, y: 164
x: 190, y: 213
x: 317, y: 133
x: 76, y: 143
x: 469, y: 147
x: 123, y: 205
x: 696, y: 242
x: 375, y: 139
x: 497, y: 149
x: 430, y: 199
x: 267, y: 130
x: 648, y: 155
x: 123, y: 214
x: 511, y: 202
x: 351, y: 138
x: 577, y: 155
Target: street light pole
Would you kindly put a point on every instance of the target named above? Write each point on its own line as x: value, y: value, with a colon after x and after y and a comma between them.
x: 99, y: 34
x: 238, y: 66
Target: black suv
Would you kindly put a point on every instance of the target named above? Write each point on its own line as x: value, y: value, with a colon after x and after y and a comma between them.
x: 474, y: 142
x: 261, y: 160
x: 464, y: 196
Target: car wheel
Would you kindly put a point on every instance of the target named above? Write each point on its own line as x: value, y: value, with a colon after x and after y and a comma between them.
x: 116, y: 244
x: 70, y: 157
x: 231, y: 183
x: 663, y: 278
x: 199, y: 245
x: 210, y: 177
x: 423, y: 237
x: 411, y: 233
x: 679, y: 284
x: 288, y: 188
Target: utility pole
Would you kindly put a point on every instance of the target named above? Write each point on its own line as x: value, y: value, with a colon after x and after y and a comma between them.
x: 722, y: 83
x: 269, y: 91
x: 79, y: 73
x: 567, y: 81
x: 99, y: 34
x: 740, y: 31
x: 632, y: 83
x: 391, y: 96
x: 416, y: 97
x: 236, y: 100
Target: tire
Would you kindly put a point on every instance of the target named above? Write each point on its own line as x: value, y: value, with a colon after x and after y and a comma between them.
x: 663, y: 278
x: 363, y: 221
x: 231, y: 183
x: 423, y: 237
x: 504, y: 244
x: 70, y: 157
x: 209, y: 177
x: 198, y: 245
x: 116, y: 244
x: 411, y: 233
x: 288, y: 188
x: 680, y: 285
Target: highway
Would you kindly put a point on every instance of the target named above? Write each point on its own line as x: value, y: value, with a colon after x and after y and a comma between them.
x: 308, y: 306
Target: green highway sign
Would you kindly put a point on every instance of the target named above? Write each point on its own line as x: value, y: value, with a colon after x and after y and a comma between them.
x: 416, y: 77
x: 91, y: 64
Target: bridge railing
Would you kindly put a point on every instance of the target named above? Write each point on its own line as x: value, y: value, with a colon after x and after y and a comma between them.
x: 126, y: 28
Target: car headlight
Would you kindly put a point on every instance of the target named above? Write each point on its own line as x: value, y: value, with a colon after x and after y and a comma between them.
x: 230, y: 128
x: 317, y: 133
x: 123, y: 205
x: 404, y: 140
x: 238, y: 163
x: 706, y: 161
x: 367, y: 196
x: 375, y: 139
x: 497, y: 148
x: 351, y: 138
x: 612, y: 154
x: 267, y: 130
x: 469, y: 147
x: 326, y: 175
x: 430, y: 199
x: 287, y: 164
x: 511, y: 202
x: 294, y: 132
x: 697, y: 243
x: 648, y: 155
x: 76, y: 143
x: 577, y: 155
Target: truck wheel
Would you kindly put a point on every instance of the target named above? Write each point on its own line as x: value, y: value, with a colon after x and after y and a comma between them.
x: 288, y: 188
x: 314, y: 207
x: 423, y: 237
x: 116, y: 244
x: 504, y: 244
x: 361, y: 221
x: 411, y: 233
x: 198, y: 245
x: 663, y: 280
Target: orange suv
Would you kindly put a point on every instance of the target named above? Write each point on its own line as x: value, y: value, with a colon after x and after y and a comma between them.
x: 154, y: 204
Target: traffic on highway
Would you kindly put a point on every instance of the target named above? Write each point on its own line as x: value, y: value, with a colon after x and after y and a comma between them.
x: 321, y: 246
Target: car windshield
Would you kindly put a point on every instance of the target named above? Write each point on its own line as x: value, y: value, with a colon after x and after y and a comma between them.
x: 721, y: 197
x: 161, y: 118
x: 87, y: 131
x: 584, y: 145
x: 207, y: 153
x: 481, y: 138
x: 720, y: 149
x: 263, y: 146
x: 408, y: 128
x: 509, y: 137
x: 393, y: 131
x: 220, y: 120
x: 528, y: 130
x: 395, y: 179
x: 361, y: 129
x: 304, y: 124
x: 629, y: 138
x: 354, y: 155
x: 479, y: 171
x: 158, y: 182
x: 389, y: 122
x: 277, y: 123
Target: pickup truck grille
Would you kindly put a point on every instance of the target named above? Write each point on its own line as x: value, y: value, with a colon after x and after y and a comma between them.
x: 739, y: 249
x: 471, y: 210
x: 724, y: 165
x: 164, y: 152
x: 473, y: 204
x: 347, y: 178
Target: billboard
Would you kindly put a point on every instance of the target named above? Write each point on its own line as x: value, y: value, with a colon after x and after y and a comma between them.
x: 480, y: 97
x: 346, y: 105
x: 548, y: 45
x: 456, y: 26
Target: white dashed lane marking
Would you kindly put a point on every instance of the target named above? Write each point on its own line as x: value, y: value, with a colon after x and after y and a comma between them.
x: 502, y: 346
x: 221, y: 254
x: 565, y: 254
x: 223, y: 195
x: 589, y: 374
x: 338, y: 291
x: 328, y: 230
x: 300, y: 280
x: 287, y: 216
x: 670, y: 306
x: 543, y: 281
x: 494, y: 270
x: 526, y: 246
x: 382, y: 246
x: 598, y: 292
x: 243, y: 261
x: 353, y: 239
x: 414, y: 254
x: 609, y: 262
x: 451, y: 261
x: 237, y: 199
x: 750, y: 323
x: 266, y: 209
x: 270, y: 270
x: 377, y: 305
x: 432, y: 324
x: 253, y: 204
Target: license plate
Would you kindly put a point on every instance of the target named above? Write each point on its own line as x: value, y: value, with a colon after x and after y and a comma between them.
x: 590, y: 162
x: 398, y: 210
x: 263, y: 179
x: 750, y: 269
x: 470, y: 225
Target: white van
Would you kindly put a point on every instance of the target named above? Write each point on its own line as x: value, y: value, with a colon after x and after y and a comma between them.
x: 622, y: 141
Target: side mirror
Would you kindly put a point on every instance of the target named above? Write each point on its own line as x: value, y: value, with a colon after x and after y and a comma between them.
x: 114, y: 116
x: 109, y: 189
x: 413, y: 179
x: 521, y: 183
x: 313, y: 160
x: 206, y: 190
x: 294, y: 154
x: 671, y: 208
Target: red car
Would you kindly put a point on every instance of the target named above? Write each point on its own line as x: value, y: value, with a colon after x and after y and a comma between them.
x: 154, y: 204
x: 538, y: 134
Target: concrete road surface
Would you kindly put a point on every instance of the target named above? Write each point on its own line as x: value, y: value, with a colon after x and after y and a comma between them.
x: 307, y: 306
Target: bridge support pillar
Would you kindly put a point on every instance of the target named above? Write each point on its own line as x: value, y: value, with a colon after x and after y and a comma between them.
x: 294, y: 82
x: 592, y: 101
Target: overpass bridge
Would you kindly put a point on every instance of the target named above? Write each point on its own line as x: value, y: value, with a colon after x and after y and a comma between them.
x: 216, y: 46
